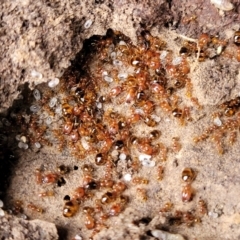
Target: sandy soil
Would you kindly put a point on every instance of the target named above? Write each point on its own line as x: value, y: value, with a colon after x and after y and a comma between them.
x: 214, y: 81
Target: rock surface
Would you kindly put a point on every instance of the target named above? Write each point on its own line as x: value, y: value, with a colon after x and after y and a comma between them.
x: 13, y: 228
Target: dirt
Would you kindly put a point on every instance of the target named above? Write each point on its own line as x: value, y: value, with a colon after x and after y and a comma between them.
x: 47, y: 41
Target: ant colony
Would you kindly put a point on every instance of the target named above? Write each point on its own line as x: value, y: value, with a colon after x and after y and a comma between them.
x: 106, y: 112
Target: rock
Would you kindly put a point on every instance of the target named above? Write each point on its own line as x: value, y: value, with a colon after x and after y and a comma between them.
x: 14, y: 228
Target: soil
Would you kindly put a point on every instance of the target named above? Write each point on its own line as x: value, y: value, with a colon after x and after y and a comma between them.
x: 46, y: 37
